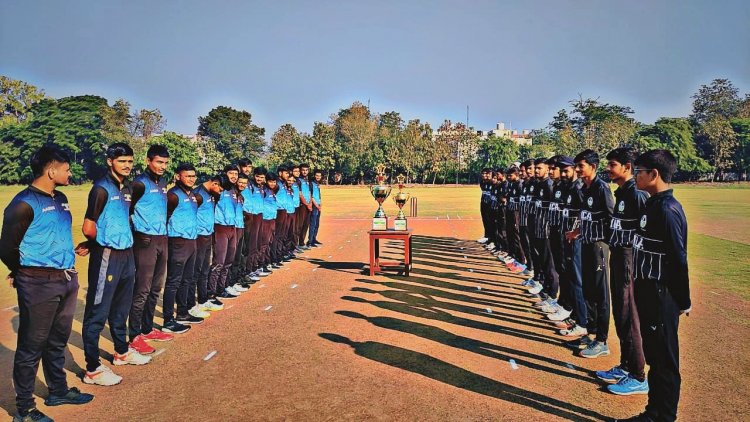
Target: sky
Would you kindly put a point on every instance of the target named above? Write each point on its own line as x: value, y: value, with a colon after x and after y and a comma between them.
x: 300, y: 61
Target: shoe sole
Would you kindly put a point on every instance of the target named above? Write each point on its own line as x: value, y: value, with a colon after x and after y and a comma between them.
x: 158, y: 339
x: 176, y: 332
x: 608, y: 380
x: 144, y: 353
x: 630, y: 393
x: 189, y: 322
x: 96, y: 383
x: 116, y: 363
x: 594, y: 356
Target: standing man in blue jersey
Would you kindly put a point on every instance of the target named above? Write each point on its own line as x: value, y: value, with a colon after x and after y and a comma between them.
x: 225, y: 236
x: 182, y: 229
x: 148, y: 210
x: 210, y: 191
x: 305, y: 208
x: 295, y: 174
x: 236, y: 274
x: 252, y: 208
x: 629, y: 377
x: 268, y: 226
x: 111, y: 267
x: 596, y: 213
x: 316, y: 208
x: 36, y: 245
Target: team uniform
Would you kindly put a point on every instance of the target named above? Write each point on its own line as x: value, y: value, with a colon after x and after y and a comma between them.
x: 149, y: 217
x: 238, y: 263
x: 303, y: 214
x: 315, y: 215
x: 484, y: 205
x: 662, y: 291
x: 512, y: 217
x: 253, y: 208
x: 225, y: 243
x: 203, y: 249
x: 523, y: 222
x: 37, y: 246
x: 572, y: 276
x: 596, y: 213
x: 111, y: 270
x: 545, y: 273
x: 557, y: 240
x: 268, y: 227
x: 182, y: 229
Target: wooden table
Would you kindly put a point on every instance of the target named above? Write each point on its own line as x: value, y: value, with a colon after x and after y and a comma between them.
x: 375, y: 263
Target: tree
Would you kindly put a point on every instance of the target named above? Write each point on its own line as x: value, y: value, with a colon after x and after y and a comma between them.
x: 719, y: 99
x: 286, y: 145
x: 145, y: 123
x: 181, y: 150
x: 117, y: 122
x: 741, y: 129
x: 722, y: 143
x: 16, y: 99
x: 495, y: 152
x: 675, y: 135
x: 233, y: 132
x: 358, y: 149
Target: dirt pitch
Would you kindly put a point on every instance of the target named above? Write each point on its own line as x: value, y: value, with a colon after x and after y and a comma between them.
x: 336, y: 344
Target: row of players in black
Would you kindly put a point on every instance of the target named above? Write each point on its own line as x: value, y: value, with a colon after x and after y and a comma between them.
x: 583, y: 249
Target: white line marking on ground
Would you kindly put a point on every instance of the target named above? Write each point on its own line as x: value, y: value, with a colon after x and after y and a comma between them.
x: 716, y: 293
x: 513, y: 364
x: 471, y: 270
x: 294, y: 286
x: 268, y: 308
x: 447, y: 216
x: 570, y: 366
x: 315, y: 269
x: 479, y: 287
x: 459, y: 217
x: 489, y: 310
x: 210, y: 355
x: 261, y: 286
x: 160, y: 351
x: 330, y: 256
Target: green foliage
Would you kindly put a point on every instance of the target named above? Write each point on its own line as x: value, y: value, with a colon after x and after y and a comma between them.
x: 181, y: 150
x: 675, y: 135
x: 233, y: 132
x: 495, y: 152
x: 16, y: 99
x: 741, y: 127
x: 720, y: 99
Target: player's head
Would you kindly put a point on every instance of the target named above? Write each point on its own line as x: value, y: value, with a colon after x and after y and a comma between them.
x: 53, y: 162
x: 120, y: 159
x: 157, y: 159
x: 652, y: 167
x: 586, y: 163
x: 620, y: 163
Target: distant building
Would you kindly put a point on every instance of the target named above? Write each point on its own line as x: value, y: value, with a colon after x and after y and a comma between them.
x: 523, y: 138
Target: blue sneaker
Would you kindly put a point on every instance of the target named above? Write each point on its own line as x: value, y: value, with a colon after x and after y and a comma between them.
x: 629, y: 386
x: 612, y: 376
x: 595, y: 349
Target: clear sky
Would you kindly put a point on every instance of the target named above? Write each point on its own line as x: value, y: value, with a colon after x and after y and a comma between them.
x: 299, y: 61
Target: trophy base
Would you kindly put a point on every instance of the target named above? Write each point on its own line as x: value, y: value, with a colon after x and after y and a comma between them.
x: 399, y: 224
x: 380, y: 223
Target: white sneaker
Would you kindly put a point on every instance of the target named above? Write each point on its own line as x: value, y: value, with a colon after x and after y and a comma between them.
x: 490, y: 246
x: 541, y: 303
x: 576, y: 331
x: 232, y: 291
x: 252, y: 277
x: 550, y: 307
x: 262, y: 273
x: 211, y: 306
x: 536, y: 288
x: 130, y: 358
x: 101, y: 376
x: 560, y: 315
x: 197, y: 312
x: 482, y: 240
x: 238, y: 287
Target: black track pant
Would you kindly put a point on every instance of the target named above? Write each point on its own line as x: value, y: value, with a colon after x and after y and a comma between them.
x: 150, y: 253
x: 545, y: 268
x: 625, y: 312
x: 595, y: 270
x: 203, y: 249
x: 513, y: 236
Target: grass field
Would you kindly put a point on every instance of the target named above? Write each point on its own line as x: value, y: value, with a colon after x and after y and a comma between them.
x: 718, y: 216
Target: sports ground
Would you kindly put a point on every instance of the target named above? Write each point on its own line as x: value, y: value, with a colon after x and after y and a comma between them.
x: 320, y: 340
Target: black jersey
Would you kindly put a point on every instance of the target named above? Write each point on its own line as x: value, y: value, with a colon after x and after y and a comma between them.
x: 485, y: 187
x: 660, y: 249
x: 630, y: 205
x: 571, y: 211
x: 514, y: 195
x: 596, y: 211
x: 555, y: 204
x: 542, y: 197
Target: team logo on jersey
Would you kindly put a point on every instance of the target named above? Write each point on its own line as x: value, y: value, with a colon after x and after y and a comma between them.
x: 570, y: 199
x: 558, y: 194
x: 590, y: 201
x: 621, y: 207
x: 66, y: 206
x: 531, y: 188
x: 643, y: 222
x: 164, y: 190
x: 154, y: 191
x: 50, y: 208
x: 127, y: 197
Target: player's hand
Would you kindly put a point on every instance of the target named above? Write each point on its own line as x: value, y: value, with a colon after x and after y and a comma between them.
x: 82, y: 249
x: 309, y: 207
x: 10, y: 281
x: 571, y: 236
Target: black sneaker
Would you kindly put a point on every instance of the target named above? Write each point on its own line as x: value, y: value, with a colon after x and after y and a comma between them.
x: 216, y: 301
x: 580, y: 343
x: 287, y: 258
x: 72, y: 396
x: 32, y: 415
x: 267, y: 269
x: 317, y: 243
x: 175, y: 327
x: 276, y: 265
x: 188, y: 319
x: 226, y: 296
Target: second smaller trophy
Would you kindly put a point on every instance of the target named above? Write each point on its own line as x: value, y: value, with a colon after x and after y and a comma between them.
x: 400, y: 199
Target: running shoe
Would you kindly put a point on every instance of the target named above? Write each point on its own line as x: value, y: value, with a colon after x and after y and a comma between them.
x: 580, y: 343
x: 612, y: 376
x: 101, y: 376
x: 156, y: 335
x: 32, y: 415
x: 560, y: 315
x: 72, y: 396
x: 198, y: 312
x: 629, y: 386
x: 211, y: 306
x: 575, y: 331
x: 594, y: 350
x: 175, y: 327
x: 482, y: 240
x: 131, y: 357
x: 188, y: 319
x: 139, y: 345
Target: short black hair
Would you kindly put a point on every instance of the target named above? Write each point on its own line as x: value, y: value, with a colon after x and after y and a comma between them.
x: 316, y: 171
x: 260, y: 171
x: 528, y: 163
x: 119, y: 149
x: 279, y: 169
x: 183, y: 167
x: 552, y: 161
x: 293, y: 166
x: 215, y: 178
x: 271, y: 176
x: 242, y: 175
x: 512, y: 170
x: 623, y: 155
x: 540, y: 161
x: 229, y: 168
x: 589, y: 156
x: 659, y: 159
x: 486, y: 170
x: 224, y: 181
x: 244, y: 162
x: 46, y: 155
x: 304, y: 166
x: 157, y: 151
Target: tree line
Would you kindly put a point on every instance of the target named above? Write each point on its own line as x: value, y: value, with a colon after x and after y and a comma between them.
x: 714, y: 139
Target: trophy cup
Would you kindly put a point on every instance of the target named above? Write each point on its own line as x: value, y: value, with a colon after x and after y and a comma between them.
x: 400, y: 199
x: 380, y: 192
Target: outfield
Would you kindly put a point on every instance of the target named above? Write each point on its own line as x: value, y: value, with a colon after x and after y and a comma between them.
x: 337, y: 345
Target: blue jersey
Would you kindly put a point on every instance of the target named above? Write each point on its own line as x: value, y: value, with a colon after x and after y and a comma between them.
x: 269, y: 205
x: 295, y: 198
x: 253, y: 199
x: 288, y: 199
x: 316, y: 192
x: 205, y: 214
x: 239, y: 220
x: 48, y: 242
x: 184, y: 222
x: 150, y: 212
x: 113, y: 225
x: 226, y: 212
x: 304, y: 187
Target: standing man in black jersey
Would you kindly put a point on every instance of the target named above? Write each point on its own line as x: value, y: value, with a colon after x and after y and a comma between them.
x: 546, y: 283
x: 484, y: 186
x: 662, y: 283
x: 596, y: 213
x: 556, y: 237
x: 501, y: 188
x: 629, y: 377
x: 511, y: 219
x: 527, y: 184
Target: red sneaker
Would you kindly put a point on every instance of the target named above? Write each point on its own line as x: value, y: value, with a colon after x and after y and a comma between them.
x: 157, y: 335
x: 139, y: 345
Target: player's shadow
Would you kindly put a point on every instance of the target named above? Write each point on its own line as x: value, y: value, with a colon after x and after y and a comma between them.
x: 428, y: 366
x: 344, y: 266
x: 443, y: 281
x: 495, y: 351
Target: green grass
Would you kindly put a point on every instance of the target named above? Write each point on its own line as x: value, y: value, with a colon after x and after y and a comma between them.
x: 718, y: 217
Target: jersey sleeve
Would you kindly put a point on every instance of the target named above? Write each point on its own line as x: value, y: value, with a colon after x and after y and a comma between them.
x: 676, y: 239
x: 16, y: 221
x: 97, y: 200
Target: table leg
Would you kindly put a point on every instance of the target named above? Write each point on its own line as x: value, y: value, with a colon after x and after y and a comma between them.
x: 407, y: 256
x: 372, y: 256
